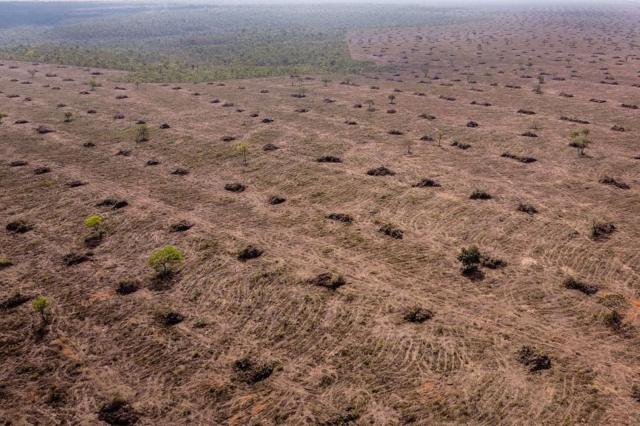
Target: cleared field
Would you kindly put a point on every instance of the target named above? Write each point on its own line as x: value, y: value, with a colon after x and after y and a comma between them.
x: 269, y: 340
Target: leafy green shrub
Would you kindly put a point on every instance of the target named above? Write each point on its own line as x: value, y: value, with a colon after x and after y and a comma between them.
x: 41, y: 306
x: 94, y: 222
x: 469, y: 256
x: 5, y: 263
x: 166, y: 259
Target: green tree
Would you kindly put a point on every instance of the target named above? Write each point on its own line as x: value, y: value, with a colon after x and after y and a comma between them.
x: 93, y: 84
x: 95, y: 223
x: 41, y: 307
x: 2, y: 115
x: 142, y: 133
x: 243, y: 149
x: 391, y: 98
x: 164, y: 260
x: 580, y: 140
x: 68, y: 117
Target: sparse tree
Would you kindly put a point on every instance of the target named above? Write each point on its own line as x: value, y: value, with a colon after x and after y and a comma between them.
x: 326, y: 81
x: 580, y: 140
x: 370, y: 104
x: 142, y: 133
x: 68, y: 117
x: 93, y: 84
x: 243, y: 149
x: 409, y: 144
x: 41, y: 307
x: 32, y: 73
x: 391, y: 98
x: 2, y: 115
x: 439, y: 136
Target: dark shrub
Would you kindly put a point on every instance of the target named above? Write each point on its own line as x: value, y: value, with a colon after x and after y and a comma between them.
x: 380, y: 171
x: 391, y: 231
x: 329, y: 159
x: 235, y: 187
x: 573, y: 284
x: 533, y: 360
x: 418, y: 315
x: 340, y: 217
x: 249, y: 252
x: 480, y: 195
x: 328, y: 280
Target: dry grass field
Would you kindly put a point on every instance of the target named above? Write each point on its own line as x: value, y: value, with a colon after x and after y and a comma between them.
x: 544, y: 331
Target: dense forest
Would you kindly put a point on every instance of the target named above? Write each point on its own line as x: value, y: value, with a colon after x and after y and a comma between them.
x: 197, y: 43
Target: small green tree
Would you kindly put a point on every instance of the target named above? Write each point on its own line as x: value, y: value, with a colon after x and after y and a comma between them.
x: 370, y: 104
x: 469, y: 256
x: 326, y: 81
x: 164, y: 260
x: 32, y: 73
x: 243, y: 149
x: 580, y: 140
x: 41, y: 307
x: 391, y: 98
x: 142, y: 133
x: 93, y: 84
x: 2, y: 115
x: 95, y: 223
x: 439, y: 136
x: 68, y: 117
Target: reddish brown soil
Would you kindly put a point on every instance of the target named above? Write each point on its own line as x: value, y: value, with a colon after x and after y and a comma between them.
x: 344, y: 354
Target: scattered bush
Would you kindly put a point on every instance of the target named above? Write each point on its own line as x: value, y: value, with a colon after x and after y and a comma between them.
x: 170, y: 318
x: 613, y: 319
x: 235, y: 187
x: 329, y: 159
x: 251, y: 372
x: 527, y: 208
x: 14, y: 301
x: 533, y: 360
x: 249, y: 252
x: 274, y: 200
x: 328, y: 280
x: 418, y: 315
x: 118, y: 413
x: 340, y: 217
x: 19, y: 227
x: 181, y: 226
x: 391, y: 231
x: 607, y: 180
x: 72, y: 259
x: 426, y: 183
x: 573, y: 284
x: 480, y: 195
x: 601, y: 230
x: 380, y: 171
x: 519, y: 158
x: 127, y: 287
x: 5, y: 263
